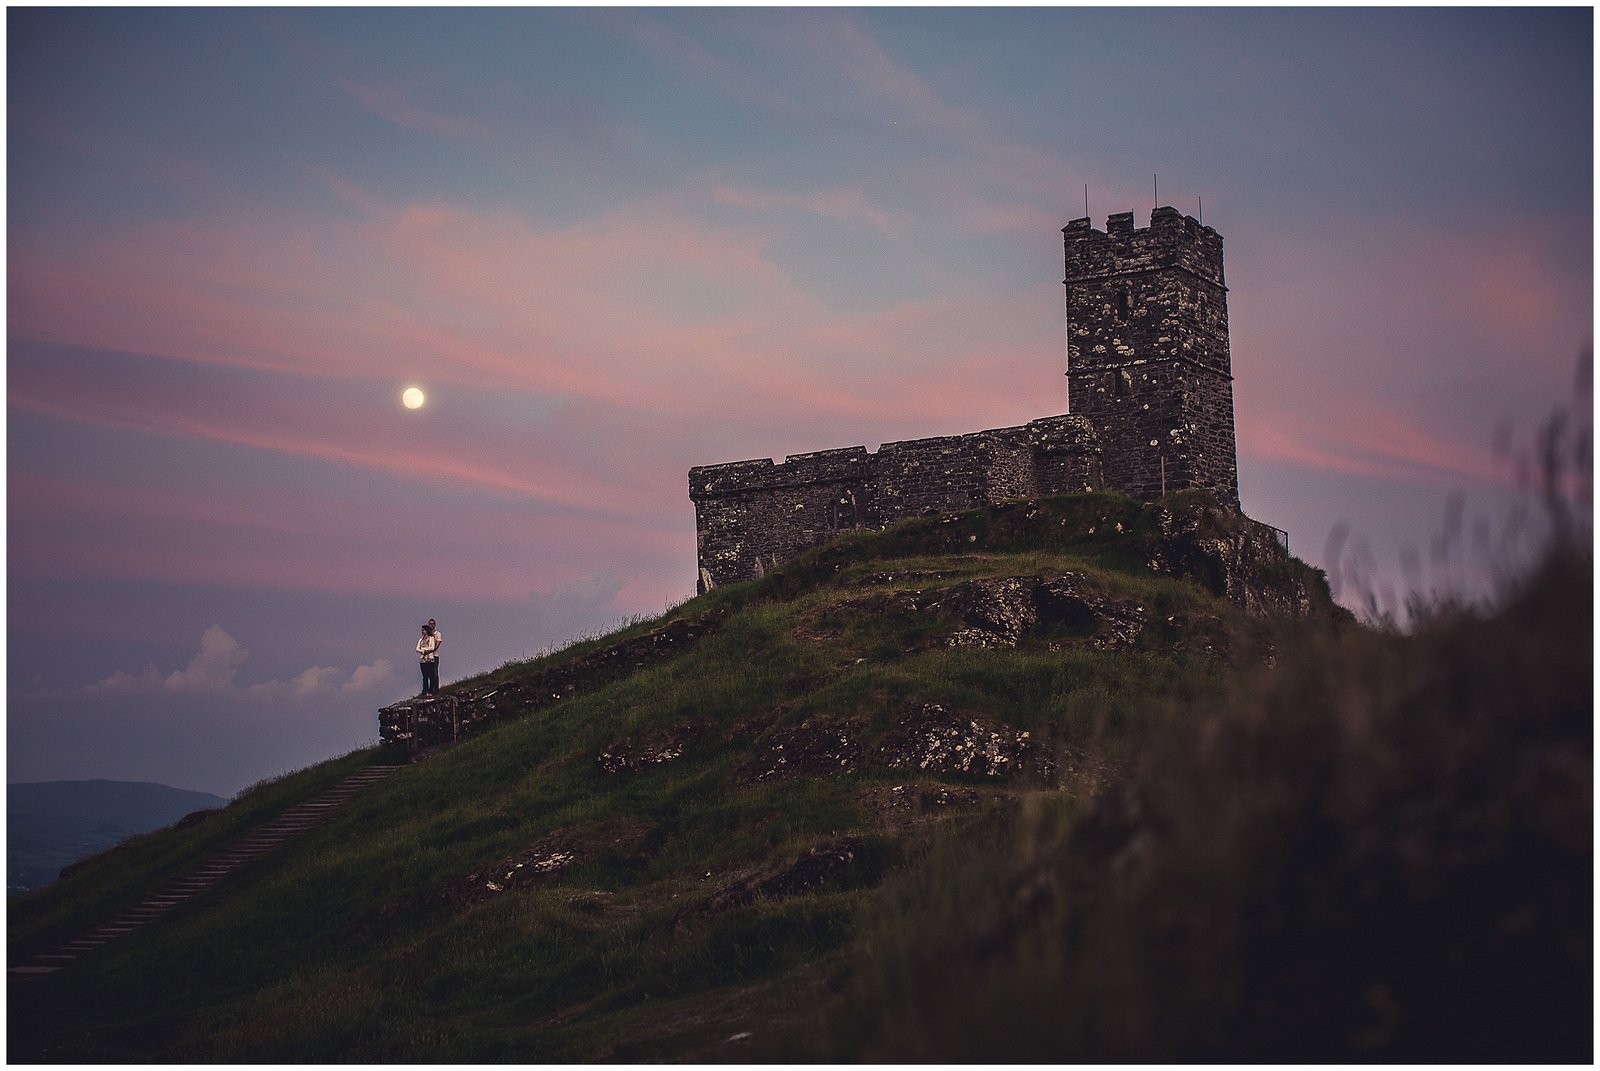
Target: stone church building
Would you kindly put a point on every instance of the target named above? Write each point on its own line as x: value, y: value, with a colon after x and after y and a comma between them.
x: 1149, y: 399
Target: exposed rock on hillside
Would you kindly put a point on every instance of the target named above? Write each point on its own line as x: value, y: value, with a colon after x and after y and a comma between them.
x: 818, y: 745
x: 554, y: 852
x: 999, y: 611
x: 1399, y: 870
x: 652, y: 747
x: 1230, y: 555
x: 921, y: 798
x: 931, y: 739
x: 996, y: 611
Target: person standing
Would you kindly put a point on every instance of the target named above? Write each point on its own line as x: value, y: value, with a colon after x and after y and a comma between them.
x: 438, y: 643
x: 428, y: 656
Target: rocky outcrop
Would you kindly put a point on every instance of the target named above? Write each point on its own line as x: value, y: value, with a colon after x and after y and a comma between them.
x: 1230, y: 555
x: 818, y: 745
x: 851, y: 862
x: 652, y: 747
x: 925, y: 739
x: 998, y: 612
x: 932, y: 740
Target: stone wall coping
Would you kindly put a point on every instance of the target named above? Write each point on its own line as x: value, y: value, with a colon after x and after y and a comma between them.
x: 796, y: 470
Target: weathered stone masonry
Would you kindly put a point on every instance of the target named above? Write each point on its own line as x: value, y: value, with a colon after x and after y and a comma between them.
x: 1149, y: 387
x: 753, y: 515
x: 1147, y: 352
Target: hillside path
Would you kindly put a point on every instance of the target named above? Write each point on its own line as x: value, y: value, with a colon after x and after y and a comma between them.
x: 257, y: 842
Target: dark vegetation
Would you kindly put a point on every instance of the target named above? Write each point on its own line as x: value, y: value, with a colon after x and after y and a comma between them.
x: 1020, y: 784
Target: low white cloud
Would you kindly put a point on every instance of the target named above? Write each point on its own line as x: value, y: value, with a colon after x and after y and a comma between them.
x: 219, y: 658
x: 215, y: 665
x: 211, y: 669
x: 377, y: 674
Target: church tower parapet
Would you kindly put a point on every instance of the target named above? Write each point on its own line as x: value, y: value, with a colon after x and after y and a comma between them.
x: 1147, y: 352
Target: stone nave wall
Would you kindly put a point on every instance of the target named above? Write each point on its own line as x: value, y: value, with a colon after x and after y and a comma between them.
x: 754, y: 515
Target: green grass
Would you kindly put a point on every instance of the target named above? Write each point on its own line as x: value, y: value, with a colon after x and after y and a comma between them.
x: 357, y: 942
x: 1380, y: 850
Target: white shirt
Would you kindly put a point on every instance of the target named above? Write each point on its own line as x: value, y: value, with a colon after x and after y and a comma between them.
x: 428, y: 647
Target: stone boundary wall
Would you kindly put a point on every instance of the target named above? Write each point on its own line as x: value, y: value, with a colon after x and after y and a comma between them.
x: 751, y: 516
x: 442, y: 717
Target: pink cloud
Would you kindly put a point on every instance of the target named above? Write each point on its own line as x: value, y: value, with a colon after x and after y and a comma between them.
x: 415, y: 460
x: 603, y: 310
x: 1506, y: 293
x: 1368, y: 441
x: 507, y: 564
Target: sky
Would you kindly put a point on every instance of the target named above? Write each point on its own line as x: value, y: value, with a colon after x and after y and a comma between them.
x: 611, y: 244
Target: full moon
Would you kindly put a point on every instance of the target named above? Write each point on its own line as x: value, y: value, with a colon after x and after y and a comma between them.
x: 413, y: 398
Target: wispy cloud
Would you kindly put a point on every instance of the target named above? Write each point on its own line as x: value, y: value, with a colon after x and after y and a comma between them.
x: 842, y: 204
x: 1369, y: 440
x: 693, y: 317
x: 396, y: 104
x: 214, y: 667
x: 144, y: 159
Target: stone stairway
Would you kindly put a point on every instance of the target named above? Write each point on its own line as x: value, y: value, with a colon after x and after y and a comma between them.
x: 254, y: 844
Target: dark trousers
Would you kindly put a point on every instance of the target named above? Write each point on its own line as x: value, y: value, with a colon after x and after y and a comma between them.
x: 430, y: 677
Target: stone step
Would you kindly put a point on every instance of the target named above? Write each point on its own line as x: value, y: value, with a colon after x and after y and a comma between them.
x: 258, y: 842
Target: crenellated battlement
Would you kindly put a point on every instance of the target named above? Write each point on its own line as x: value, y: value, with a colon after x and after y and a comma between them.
x: 1172, y: 240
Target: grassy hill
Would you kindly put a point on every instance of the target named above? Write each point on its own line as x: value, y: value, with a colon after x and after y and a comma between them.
x: 981, y: 786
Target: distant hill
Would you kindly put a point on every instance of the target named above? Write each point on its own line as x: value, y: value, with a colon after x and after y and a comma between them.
x: 50, y: 824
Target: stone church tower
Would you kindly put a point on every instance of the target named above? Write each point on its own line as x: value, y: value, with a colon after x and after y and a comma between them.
x: 1147, y: 352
